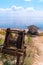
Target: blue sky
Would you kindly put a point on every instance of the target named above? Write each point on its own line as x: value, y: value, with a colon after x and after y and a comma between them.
x: 38, y: 4
x: 21, y: 12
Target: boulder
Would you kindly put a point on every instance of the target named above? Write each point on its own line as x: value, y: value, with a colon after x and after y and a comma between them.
x: 32, y: 29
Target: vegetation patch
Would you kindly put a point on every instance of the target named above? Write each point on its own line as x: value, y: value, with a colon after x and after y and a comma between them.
x: 29, y: 38
x: 1, y: 41
x: 2, y: 32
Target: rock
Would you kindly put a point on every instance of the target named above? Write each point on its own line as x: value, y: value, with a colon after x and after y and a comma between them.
x: 33, y: 29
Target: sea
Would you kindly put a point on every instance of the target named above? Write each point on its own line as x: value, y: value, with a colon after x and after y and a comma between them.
x: 21, y: 25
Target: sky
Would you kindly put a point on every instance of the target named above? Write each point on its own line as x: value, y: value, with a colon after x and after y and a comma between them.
x: 21, y: 12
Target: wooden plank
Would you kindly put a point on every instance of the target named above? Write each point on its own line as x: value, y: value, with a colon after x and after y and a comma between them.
x: 9, y: 51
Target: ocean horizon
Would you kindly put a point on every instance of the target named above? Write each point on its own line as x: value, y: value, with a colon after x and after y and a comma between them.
x: 20, y: 25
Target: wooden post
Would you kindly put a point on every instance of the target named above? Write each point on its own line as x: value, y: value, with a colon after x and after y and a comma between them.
x: 18, y: 60
x: 7, y: 34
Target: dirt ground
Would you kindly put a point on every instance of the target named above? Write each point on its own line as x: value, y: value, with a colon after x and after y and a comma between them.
x: 38, y: 43
x: 1, y: 63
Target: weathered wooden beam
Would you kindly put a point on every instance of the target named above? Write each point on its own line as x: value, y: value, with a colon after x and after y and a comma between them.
x: 9, y: 51
x: 18, y: 50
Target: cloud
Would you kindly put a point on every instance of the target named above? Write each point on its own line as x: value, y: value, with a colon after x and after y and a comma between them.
x: 40, y: 0
x: 17, y: 8
x: 15, y: 11
x: 24, y: 15
x: 27, y: 0
x: 30, y: 9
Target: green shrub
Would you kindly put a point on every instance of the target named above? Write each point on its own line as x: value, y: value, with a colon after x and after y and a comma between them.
x: 6, y: 63
x: 1, y: 41
x: 29, y: 38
